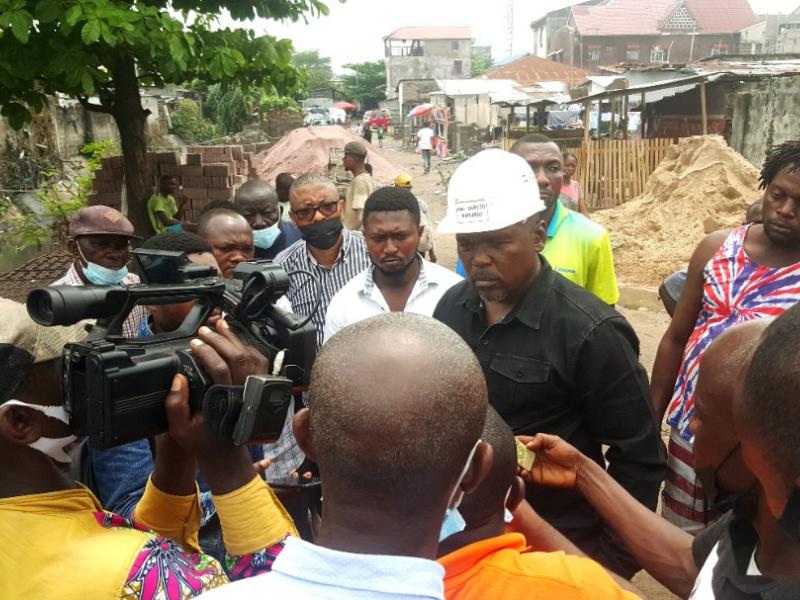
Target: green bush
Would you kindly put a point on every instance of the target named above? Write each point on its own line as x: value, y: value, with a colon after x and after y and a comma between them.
x: 188, y: 123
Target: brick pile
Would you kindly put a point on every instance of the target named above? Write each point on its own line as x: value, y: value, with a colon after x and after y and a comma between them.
x: 209, y: 173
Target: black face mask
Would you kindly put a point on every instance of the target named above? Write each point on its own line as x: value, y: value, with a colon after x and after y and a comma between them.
x: 790, y: 519
x: 322, y: 234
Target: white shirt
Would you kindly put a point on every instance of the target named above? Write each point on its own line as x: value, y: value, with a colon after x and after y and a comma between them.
x: 425, y: 136
x: 304, y: 571
x: 360, y: 298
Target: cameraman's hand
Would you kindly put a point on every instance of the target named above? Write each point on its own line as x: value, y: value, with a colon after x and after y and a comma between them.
x: 557, y: 463
x: 227, y: 362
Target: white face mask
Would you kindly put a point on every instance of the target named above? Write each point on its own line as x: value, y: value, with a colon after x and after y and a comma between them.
x: 61, y: 449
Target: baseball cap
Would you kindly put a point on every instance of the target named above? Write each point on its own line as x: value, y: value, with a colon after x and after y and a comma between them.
x: 492, y: 190
x: 24, y: 343
x: 402, y: 180
x: 355, y: 148
x: 100, y: 220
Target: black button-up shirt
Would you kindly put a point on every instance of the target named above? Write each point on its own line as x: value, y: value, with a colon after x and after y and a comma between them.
x: 563, y: 362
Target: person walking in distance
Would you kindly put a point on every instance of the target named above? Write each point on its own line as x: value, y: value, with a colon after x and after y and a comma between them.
x: 425, y: 144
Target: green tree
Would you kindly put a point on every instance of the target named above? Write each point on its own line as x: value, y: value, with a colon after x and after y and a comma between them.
x: 102, y: 51
x: 317, y: 69
x: 188, y: 123
x: 366, y: 85
x: 480, y: 62
x: 229, y: 108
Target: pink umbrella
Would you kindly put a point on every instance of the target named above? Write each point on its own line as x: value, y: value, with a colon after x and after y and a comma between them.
x: 420, y: 110
x: 345, y: 105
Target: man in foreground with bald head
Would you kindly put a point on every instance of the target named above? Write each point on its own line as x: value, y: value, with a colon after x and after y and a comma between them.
x: 398, y: 444
x: 714, y: 564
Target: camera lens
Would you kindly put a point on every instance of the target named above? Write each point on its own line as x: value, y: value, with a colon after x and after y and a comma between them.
x: 40, y: 307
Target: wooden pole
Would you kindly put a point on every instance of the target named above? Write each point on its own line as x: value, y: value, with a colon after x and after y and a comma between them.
x: 528, y: 118
x: 703, y: 109
x: 540, y: 117
x: 611, y: 123
x: 624, y: 119
x: 642, y: 107
x: 587, y: 113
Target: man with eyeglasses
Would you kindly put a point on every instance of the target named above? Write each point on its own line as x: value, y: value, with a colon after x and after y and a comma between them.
x: 100, y: 241
x: 333, y: 255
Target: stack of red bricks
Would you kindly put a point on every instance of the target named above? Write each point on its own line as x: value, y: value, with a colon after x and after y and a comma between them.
x: 210, y: 173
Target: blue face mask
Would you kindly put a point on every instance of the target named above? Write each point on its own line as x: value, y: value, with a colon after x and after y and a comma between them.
x: 100, y: 275
x: 453, y: 523
x: 264, y: 238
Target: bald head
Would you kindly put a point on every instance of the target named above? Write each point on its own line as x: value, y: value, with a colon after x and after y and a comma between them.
x: 717, y: 461
x: 488, y: 500
x: 396, y: 402
x: 230, y: 237
x: 257, y: 201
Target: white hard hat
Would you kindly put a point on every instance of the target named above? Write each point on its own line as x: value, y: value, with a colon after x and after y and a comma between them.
x: 492, y: 190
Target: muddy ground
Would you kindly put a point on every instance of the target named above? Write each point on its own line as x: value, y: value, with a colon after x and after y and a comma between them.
x: 640, y: 305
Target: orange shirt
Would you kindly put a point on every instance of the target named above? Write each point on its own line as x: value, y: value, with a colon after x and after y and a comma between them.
x: 501, y: 567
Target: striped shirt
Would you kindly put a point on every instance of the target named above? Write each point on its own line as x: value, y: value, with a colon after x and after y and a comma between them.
x: 302, y: 295
x: 130, y: 328
x: 353, y: 258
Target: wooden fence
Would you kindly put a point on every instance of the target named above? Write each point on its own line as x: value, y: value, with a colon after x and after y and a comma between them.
x: 614, y: 171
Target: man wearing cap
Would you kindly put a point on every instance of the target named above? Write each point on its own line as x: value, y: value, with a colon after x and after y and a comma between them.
x: 355, y: 153
x: 100, y: 241
x: 426, y: 237
x: 556, y: 358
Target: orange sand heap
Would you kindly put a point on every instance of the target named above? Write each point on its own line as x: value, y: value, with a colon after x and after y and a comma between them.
x: 308, y: 150
x: 702, y: 185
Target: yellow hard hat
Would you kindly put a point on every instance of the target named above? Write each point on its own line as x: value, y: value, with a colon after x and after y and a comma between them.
x: 402, y: 181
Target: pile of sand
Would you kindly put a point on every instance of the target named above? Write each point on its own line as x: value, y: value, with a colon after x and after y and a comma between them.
x: 308, y: 150
x: 701, y: 186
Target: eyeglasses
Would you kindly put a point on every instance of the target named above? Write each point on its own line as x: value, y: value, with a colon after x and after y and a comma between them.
x: 326, y: 209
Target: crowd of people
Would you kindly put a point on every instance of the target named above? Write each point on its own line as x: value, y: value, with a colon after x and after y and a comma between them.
x: 422, y: 381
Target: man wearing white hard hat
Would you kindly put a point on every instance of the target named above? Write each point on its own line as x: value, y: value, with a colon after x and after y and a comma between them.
x: 556, y: 358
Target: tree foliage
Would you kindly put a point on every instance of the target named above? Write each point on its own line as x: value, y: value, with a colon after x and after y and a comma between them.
x: 188, y: 123
x: 229, y: 108
x: 366, y: 85
x: 102, y: 51
x: 480, y: 62
x: 271, y: 104
x: 316, y: 69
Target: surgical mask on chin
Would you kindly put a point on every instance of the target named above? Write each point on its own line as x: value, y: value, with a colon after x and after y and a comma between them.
x: 264, y: 238
x: 453, y: 522
x: 100, y: 275
x: 61, y: 450
x: 322, y: 234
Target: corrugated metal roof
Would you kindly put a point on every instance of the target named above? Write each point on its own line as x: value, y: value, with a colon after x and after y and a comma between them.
x: 431, y: 33
x: 37, y: 272
x: 531, y: 69
x: 721, y: 16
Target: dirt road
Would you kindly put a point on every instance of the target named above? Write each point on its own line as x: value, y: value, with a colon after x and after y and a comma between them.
x: 640, y: 306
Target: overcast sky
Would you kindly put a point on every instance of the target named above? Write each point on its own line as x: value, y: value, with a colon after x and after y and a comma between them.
x: 354, y: 31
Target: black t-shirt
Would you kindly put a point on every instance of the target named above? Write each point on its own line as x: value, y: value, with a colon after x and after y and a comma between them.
x: 727, y: 546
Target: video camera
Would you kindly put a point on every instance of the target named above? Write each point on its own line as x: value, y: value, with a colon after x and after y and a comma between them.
x: 114, y: 387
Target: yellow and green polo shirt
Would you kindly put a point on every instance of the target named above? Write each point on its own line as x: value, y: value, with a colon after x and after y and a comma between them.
x: 580, y: 250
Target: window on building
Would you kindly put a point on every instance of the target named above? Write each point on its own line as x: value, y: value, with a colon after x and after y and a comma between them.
x: 458, y: 67
x: 454, y: 44
x: 609, y: 50
x: 593, y: 54
x: 659, y: 55
x: 632, y: 53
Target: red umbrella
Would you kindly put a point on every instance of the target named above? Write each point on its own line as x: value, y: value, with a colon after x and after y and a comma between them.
x: 345, y: 105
